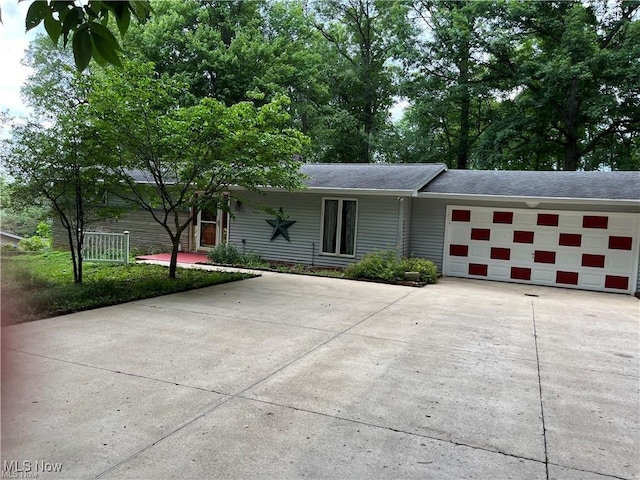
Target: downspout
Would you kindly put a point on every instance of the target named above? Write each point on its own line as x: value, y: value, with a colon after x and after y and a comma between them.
x: 313, y: 253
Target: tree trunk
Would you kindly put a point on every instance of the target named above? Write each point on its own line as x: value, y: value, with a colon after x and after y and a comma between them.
x: 465, y: 106
x: 571, y: 155
x: 571, y: 150
x: 74, y: 260
x: 78, y: 256
x: 173, y: 264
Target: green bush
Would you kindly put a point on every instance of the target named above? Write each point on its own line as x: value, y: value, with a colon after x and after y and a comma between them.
x: 40, y: 242
x: 426, y: 268
x: 386, y: 265
x: 228, y: 254
x: 44, y: 230
x: 225, y: 253
x: 34, y: 244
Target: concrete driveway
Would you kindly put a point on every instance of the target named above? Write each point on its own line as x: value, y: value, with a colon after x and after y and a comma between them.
x: 289, y: 377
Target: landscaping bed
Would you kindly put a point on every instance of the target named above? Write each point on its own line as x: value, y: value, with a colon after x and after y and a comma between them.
x: 383, y: 266
x: 39, y: 286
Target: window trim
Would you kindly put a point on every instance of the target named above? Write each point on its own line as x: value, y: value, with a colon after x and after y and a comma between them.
x: 341, y: 201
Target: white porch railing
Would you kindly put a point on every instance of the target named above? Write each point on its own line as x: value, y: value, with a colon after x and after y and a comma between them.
x: 106, y: 247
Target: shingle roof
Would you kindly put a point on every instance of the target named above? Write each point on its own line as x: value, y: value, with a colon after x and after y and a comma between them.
x: 142, y: 176
x: 587, y: 185
x: 366, y: 176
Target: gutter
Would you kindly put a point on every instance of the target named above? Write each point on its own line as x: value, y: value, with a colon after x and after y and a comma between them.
x: 531, y: 202
x: 338, y: 191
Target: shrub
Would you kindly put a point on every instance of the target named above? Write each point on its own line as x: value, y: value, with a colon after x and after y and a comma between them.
x: 426, y: 268
x: 253, y: 260
x: 380, y: 265
x: 34, y: 244
x: 44, y: 230
x: 386, y: 265
x: 40, y: 242
x: 228, y: 254
x: 224, y: 253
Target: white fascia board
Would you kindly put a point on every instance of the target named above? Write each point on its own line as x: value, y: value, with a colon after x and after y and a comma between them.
x: 539, y: 200
x: 338, y: 191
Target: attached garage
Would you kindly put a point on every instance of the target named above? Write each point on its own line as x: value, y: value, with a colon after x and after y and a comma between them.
x: 578, y: 249
x: 569, y: 229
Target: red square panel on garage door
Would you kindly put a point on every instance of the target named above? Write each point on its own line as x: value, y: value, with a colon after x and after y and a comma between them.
x: 458, y: 250
x: 568, y: 278
x: 480, y: 234
x: 594, y: 221
x: 500, y: 253
x: 461, y: 215
x: 570, y: 239
x: 620, y: 243
x: 613, y: 281
x: 596, y: 261
x: 548, y: 219
x: 518, y: 273
x: 520, y: 236
x: 478, y: 269
x: 540, y: 256
x: 503, y: 217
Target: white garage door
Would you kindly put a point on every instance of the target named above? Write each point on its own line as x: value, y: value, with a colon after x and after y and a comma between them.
x: 593, y: 251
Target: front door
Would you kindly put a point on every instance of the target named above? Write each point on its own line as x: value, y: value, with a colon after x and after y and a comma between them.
x: 207, y: 228
x: 212, y: 226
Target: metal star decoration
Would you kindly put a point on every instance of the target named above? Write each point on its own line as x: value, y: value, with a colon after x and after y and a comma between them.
x: 280, y: 226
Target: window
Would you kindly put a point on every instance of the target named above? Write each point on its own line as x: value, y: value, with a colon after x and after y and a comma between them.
x: 339, y: 226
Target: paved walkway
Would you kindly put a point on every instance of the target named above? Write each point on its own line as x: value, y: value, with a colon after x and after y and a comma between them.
x: 183, y: 257
x: 286, y: 376
x: 193, y: 260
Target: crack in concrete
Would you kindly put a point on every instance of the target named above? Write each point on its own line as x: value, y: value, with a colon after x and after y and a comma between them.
x: 231, y: 317
x: 120, y: 372
x: 544, y: 427
x: 397, y: 430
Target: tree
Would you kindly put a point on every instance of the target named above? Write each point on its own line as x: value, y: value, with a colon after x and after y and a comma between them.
x: 194, y: 42
x: 574, y: 76
x: 364, y: 36
x: 87, y: 25
x: 452, y: 82
x: 54, y: 166
x: 231, y: 50
x: 168, y: 158
x: 52, y: 156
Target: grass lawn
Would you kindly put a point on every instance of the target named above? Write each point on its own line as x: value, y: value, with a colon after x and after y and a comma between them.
x: 41, y: 286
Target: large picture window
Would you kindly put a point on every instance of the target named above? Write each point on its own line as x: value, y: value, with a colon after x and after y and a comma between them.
x: 339, y: 219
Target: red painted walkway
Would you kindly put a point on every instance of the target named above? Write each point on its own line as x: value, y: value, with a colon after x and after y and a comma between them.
x: 183, y: 257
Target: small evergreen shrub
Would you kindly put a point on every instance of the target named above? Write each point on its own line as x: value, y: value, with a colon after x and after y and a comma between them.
x: 386, y: 265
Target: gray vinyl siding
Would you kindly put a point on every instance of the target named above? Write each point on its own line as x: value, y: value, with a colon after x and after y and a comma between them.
x: 377, y: 227
x: 407, y: 205
x: 428, y: 222
x: 144, y: 232
x: 427, y: 230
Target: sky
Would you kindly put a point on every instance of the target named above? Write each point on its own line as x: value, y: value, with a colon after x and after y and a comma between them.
x: 13, y: 42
